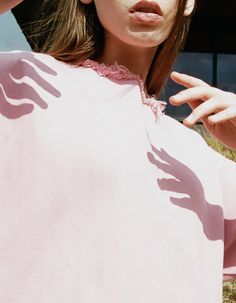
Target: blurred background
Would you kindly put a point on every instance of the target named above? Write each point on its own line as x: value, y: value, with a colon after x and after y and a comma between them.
x: 210, y: 51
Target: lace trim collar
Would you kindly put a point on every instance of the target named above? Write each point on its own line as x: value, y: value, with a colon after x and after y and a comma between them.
x: 120, y: 72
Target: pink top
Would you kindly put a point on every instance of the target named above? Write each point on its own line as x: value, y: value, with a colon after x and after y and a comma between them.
x: 103, y: 197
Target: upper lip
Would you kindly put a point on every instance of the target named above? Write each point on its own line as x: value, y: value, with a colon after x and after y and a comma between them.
x: 147, y: 7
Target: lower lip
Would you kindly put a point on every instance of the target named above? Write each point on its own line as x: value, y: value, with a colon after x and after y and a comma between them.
x: 146, y: 18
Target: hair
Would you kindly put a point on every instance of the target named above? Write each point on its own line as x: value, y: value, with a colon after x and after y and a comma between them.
x: 74, y: 33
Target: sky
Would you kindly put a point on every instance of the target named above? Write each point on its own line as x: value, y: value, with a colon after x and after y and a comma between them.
x: 11, y: 37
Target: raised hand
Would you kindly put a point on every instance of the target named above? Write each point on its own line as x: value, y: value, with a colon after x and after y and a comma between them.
x: 14, y: 67
x: 214, y: 107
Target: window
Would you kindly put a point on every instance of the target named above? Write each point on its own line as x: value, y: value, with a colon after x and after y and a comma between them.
x: 199, y: 65
x: 215, y: 69
x: 226, y: 72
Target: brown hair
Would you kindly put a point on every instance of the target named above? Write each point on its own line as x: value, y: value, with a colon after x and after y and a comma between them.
x: 80, y: 36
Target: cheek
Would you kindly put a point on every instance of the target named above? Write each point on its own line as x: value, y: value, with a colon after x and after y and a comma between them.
x: 110, y: 13
x: 10, y: 4
x: 6, y: 5
x: 169, y: 6
x: 170, y: 9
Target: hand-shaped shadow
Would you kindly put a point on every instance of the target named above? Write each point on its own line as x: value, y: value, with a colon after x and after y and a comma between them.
x: 15, y: 66
x: 230, y: 244
x: 185, y: 181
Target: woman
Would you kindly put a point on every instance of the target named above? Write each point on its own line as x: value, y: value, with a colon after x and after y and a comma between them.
x: 104, y: 198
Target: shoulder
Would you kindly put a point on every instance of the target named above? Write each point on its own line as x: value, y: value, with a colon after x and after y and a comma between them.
x: 182, y: 134
x: 26, y: 76
x: 30, y: 82
x: 18, y: 62
x: 18, y: 55
x: 193, y: 144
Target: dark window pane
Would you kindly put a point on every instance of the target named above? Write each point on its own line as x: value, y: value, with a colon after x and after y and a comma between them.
x: 199, y: 65
x: 226, y: 72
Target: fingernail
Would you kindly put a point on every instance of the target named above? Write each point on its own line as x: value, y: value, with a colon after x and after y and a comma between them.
x: 176, y: 97
x: 189, y: 118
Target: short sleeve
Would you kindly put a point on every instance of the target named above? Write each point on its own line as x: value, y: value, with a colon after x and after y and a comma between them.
x: 227, y: 172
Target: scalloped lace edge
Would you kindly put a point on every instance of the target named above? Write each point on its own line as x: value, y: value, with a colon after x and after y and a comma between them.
x: 120, y: 72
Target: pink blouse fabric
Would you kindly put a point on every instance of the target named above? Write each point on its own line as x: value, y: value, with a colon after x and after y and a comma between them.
x: 103, y: 197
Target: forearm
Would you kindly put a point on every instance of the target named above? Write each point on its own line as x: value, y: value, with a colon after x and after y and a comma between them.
x: 6, y: 5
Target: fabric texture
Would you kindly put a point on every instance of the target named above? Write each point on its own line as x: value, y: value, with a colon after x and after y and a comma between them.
x: 103, y: 197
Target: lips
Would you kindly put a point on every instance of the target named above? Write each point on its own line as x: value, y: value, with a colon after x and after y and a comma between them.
x: 146, y: 7
x: 146, y: 12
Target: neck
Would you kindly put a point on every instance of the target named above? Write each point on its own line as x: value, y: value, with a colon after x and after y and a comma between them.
x: 137, y: 59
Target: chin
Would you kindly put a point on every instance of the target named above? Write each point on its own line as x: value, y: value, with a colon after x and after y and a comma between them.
x: 143, y: 41
x: 143, y: 38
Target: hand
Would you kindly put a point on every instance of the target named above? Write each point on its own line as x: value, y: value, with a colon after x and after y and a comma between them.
x: 14, y: 67
x: 6, y: 5
x: 181, y: 180
x: 214, y: 107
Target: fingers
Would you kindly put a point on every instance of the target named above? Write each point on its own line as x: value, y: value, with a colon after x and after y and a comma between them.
x: 187, y: 81
x: 205, y: 109
x: 163, y: 166
x: 32, y: 74
x: 45, y: 68
x: 208, y: 103
x: 25, y: 91
x: 192, y: 94
x: 11, y: 111
x: 213, y: 111
x: 223, y: 116
x: 170, y: 184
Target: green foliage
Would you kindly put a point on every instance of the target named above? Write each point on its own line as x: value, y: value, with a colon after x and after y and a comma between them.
x: 216, y: 145
x: 229, y: 292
